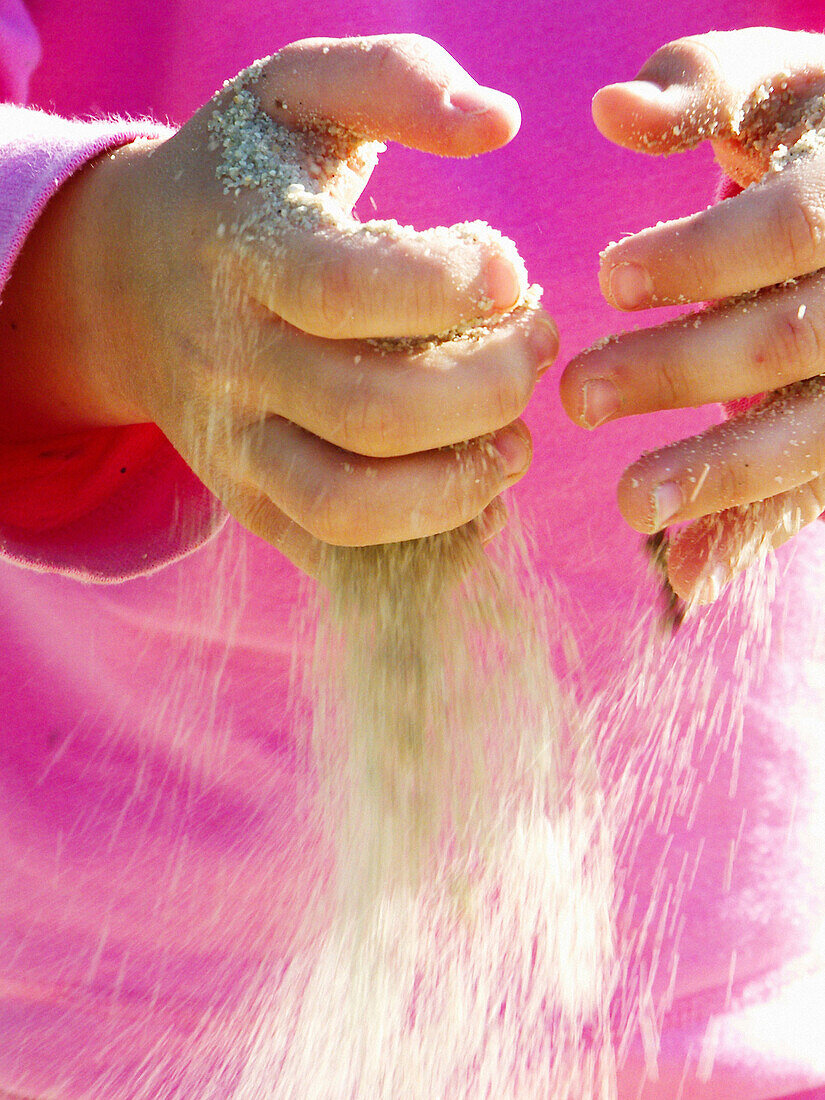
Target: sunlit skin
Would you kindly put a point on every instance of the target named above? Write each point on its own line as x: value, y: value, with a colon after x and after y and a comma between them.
x: 735, y: 89
x: 319, y: 437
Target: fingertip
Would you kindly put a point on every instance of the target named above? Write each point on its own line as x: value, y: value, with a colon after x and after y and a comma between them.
x: 624, y: 112
x: 510, y: 112
x: 257, y: 513
x: 569, y: 395
x: 544, y: 339
x: 612, y: 103
x: 398, y: 87
x: 571, y: 391
x: 505, y: 117
x: 514, y: 446
x: 477, y: 99
x: 625, y: 284
x: 589, y: 398
x: 503, y: 280
x: 636, y: 502
x: 603, y: 110
x: 697, y: 574
x: 646, y: 117
x: 486, y: 119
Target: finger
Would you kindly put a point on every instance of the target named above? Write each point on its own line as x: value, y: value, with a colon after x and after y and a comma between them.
x: 349, y: 500
x: 387, y: 281
x: 768, y: 450
x: 399, y: 87
x: 743, y: 347
x: 771, y: 232
x: 383, y: 403
x: 492, y: 520
x: 711, y: 86
x: 706, y: 555
x: 256, y: 512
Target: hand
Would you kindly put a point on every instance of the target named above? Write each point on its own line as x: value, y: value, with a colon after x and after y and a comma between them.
x: 757, y: 95
x: 304, y: 429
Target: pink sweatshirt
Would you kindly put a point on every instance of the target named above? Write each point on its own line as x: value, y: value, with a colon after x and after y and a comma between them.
x: 154, y: 844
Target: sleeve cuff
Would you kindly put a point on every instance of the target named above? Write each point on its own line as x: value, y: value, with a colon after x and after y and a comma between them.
x: 103, y: 505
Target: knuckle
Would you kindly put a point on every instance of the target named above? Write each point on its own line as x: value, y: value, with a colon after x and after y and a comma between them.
x: 422, y: 299
x: 410, y: 42
x: 682, y: 60
x: 335, y: 303
x: 369, y: 424
x: 670, y: 384
x: 262, y: 518
x: 408, y: 47
x: 731, y: 483
x: 796, y: 231
x: 336, y: 509
x: 685, y: 53
x: 323, y: 512
x: 323, y: 298
x: 251, y: 513
x: 787, y: 345
x: 398, y: 54
x: 386, y: 53
x: 414, y: 302
x: 697, y: 245
x: 510, y: 396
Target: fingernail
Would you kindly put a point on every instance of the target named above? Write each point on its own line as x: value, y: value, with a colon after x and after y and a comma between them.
x: 667, y: 501
x: 630, y: 286
x: 600, y: 400
x: 516, y: 451
x: 504, y: 283
x: 544, y: 341
x: 642, y: 89
x: 471, y: 101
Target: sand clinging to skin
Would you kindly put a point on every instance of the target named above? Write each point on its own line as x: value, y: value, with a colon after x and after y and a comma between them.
x: 462, y: 803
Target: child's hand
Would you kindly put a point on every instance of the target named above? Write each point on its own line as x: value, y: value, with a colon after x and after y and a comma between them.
x: 756, y: 94
x: 304, y: 429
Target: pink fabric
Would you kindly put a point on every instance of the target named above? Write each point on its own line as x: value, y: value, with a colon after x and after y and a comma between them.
x: 156, y: 845
x: 19, y: 51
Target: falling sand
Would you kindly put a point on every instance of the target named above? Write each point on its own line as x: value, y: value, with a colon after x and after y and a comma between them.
x: 466, y: 944
x: 450, y: 773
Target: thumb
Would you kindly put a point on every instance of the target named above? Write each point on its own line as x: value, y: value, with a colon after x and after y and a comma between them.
x: 737, y: 86
x: 399, y: 87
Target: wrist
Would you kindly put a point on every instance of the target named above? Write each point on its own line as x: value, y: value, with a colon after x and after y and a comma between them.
x: 61, y: 339
x: 105, y: 238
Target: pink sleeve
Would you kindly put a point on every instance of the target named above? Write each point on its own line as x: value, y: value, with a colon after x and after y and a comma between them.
x: 101, y: 505
x: 19, y: 51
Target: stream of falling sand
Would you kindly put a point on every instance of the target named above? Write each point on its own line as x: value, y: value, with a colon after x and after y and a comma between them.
x: 468, y: 945
x: 491, y: 963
